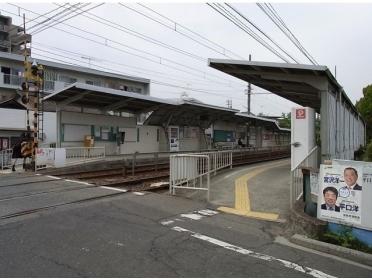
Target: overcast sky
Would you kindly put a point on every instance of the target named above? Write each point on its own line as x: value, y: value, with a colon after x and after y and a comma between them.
x: 334, y: 34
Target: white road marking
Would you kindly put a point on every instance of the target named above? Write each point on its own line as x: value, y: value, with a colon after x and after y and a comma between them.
x: 114, y: 189
x: 54, y: 177
x: 37, y: 174
x: 288, y: 264
x: 192, y: 216
x: 76, y: 181
x: 207, y: 212
x: 165, y: 223
x: 139, y: 193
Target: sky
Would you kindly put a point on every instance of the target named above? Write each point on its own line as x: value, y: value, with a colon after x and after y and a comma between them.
x: 180, y: 37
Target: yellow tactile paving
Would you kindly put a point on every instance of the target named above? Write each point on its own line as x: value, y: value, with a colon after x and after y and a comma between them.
x: 242, y: 201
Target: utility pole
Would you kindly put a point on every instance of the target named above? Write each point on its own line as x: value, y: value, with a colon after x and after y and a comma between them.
x: 249, y: 94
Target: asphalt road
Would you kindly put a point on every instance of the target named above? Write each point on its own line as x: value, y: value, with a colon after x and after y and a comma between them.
x: 153, y: 235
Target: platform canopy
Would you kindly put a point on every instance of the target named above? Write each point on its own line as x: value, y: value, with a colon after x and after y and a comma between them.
x: 105, y: 99
x: 189, y: 113
x: 299, y: 83
x: 252, y: 120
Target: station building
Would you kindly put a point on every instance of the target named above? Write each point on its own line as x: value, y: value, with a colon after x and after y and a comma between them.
x: 115, y: 110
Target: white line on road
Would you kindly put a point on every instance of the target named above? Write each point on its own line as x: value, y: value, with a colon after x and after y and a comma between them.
x: 114, y: 189
x: 192, y: 216
x: 80, y: 182
x: 288, y: 264
x: 54, y: 177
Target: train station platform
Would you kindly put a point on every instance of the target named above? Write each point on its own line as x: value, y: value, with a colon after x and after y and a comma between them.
x: 258, y: 191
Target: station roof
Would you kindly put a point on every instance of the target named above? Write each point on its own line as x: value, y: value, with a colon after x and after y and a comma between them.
x: 188, y: 113
x: 284, y: 79
x: 250, y: 119
x: 12, y: 104
x: 86, y: 95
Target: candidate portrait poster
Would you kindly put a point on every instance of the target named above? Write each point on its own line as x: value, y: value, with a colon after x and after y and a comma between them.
x: 340, y: 193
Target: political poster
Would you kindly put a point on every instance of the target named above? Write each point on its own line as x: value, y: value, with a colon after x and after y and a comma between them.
x: 340, y: 193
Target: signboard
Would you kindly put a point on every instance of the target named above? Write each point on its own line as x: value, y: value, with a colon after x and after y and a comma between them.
x: 300, y: 113
x: 345, y: 191
x: 45, y: 156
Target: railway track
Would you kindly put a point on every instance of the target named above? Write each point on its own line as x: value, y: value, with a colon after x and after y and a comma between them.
x: 142, y: 177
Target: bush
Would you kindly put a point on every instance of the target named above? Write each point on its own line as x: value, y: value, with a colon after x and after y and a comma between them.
x: 369, y: 152
x: 345, y: 239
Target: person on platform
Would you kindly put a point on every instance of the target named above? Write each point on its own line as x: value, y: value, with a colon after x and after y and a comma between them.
x: 330, y: 195
x: 240, y: 143
x: 351, y: 177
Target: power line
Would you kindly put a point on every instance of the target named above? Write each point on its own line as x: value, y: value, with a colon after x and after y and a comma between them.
x: 221, y: 10
x: 58, y: 22
x: 275, y: 18
x: 45, y: 22
x: 137, y: 69
x: 153, y: 81
x: 176, y: 24
x: 262, y: 32
x: 122, y: 28
x: 159, y: 61
x: 198, y: 90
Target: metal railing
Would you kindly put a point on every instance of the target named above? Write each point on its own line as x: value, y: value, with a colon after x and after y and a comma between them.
x: 84, y: 154
x: 6, y: 158
x: 192, y: 171
x: 189, y: 171
x: 219, y: 160
x: 296, y: 189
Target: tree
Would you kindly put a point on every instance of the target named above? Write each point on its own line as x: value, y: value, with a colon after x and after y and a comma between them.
x: 364, y: 107
x: 285, y: 121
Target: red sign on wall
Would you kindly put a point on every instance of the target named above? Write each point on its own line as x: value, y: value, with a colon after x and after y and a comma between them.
x: 300, y: 114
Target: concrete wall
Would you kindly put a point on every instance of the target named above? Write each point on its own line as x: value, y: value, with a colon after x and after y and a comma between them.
x: 147, y: 141
x: 86, y: 122
x: 12, y: 119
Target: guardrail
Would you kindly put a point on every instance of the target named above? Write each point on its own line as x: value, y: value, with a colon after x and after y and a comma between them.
x: 6, y: 158
x: 192, y: 171
x: 189, y: 171
x: 296, y: 189
x: 83, y: 154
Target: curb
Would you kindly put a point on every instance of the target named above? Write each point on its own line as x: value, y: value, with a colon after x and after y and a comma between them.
x: 332, y: 249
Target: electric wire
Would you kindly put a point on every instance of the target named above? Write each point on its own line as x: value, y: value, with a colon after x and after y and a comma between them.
x: 282, y: 26
x: 173, y: 29
x: 136, y: 69
x: 224, y: 50
x: 45, y: 21
x: 122, y: 28
x: 218, y: 8
x: 262, y: 32
x: 117, y: 71
x: 159, y: 61
x: 58, y: 21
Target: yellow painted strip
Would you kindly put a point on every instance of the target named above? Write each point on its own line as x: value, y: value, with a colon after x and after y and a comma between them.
x: 242, y: 200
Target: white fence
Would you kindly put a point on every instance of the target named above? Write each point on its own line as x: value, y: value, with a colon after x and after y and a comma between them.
x: 6, y: 158
x: 192, y: 171
x: 311, y: 161
x: 83, y: 154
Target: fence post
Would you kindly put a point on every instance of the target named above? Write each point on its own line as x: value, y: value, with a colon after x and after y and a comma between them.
x: 134, y: 161
x: 231, y: 160
x: 156, y: 157
x: 208, y: 179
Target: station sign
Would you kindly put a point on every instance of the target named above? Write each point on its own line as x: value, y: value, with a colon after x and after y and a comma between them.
x: 300, y: 113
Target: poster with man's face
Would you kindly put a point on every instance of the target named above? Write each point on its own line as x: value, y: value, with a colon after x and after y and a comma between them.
x: 340, y: 193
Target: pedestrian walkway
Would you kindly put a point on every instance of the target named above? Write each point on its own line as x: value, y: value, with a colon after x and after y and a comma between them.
x: 259, y: 191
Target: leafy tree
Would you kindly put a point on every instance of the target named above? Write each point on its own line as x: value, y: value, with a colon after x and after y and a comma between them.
x: 364, y: 107
x: 285, y: 121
